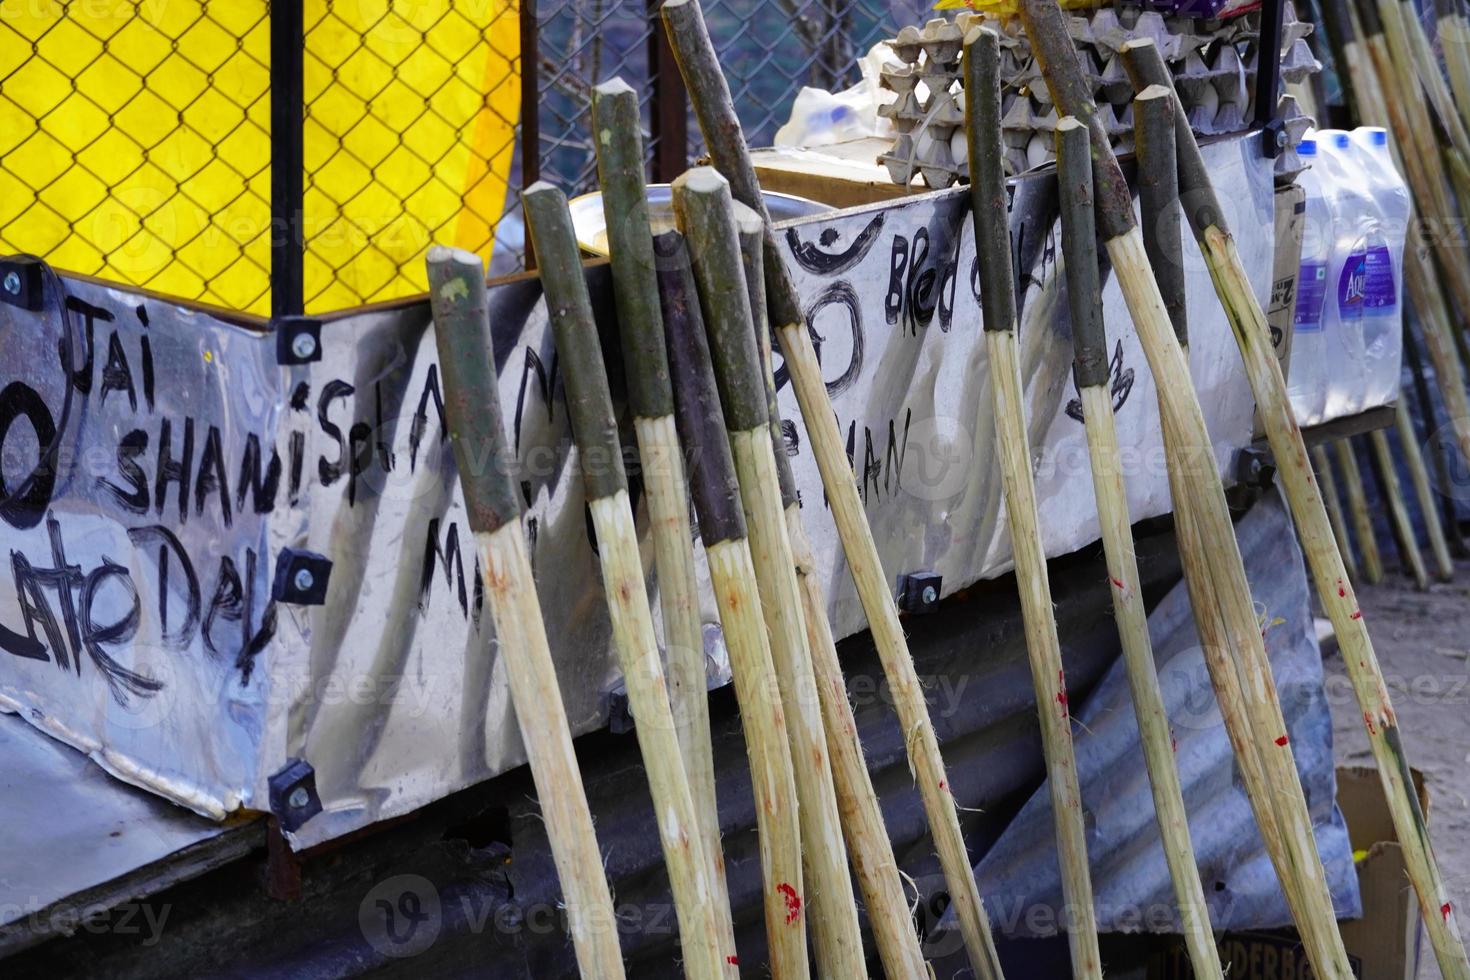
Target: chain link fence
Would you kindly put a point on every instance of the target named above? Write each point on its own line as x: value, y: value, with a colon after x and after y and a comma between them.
x: 136, y: 136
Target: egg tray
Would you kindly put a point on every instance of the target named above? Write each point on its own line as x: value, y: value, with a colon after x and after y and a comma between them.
x: 1213, y: 62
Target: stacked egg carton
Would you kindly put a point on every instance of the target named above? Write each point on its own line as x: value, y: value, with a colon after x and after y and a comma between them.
x: 1213, y: 62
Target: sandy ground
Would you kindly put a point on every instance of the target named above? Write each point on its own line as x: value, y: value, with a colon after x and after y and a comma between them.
x: 1423, y: 643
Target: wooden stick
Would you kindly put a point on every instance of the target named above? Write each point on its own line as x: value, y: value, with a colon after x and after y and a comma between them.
x: 595, y: 432
x: 1404, y: 17
x: 1334, y: 590
x: 710, y: 96
x: 1415, y: 131
x: 1352, y: 480
x: 615, y: 118
x: 1325, y: 476
x: 1391, y: 493
x: 1454, y: 32
x: 702, y: 205
x: 1294, y: 852
x: 1373, y: 107
x: 1159, y: 200
x: 700, y: 419
x: 988, y: 206
x: 1423, y: 491
x: 868, y: 845
x: 492, y: 501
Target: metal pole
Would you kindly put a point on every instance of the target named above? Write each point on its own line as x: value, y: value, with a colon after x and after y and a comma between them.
x: 288, y: 176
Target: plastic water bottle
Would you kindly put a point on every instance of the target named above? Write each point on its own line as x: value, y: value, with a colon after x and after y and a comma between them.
x: 1355, y: 227
x: 1307, y: 373
x: 1383, y: 335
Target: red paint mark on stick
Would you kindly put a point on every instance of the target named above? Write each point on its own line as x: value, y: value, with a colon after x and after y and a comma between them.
x: 1282, y: 740
x: 793, y: 902
x: 1368, y: 720
x: 1117, y: 583
x: 1357, y: 614
x: 943, y: 785
x: 1445, y: 910
x: 733, y: 960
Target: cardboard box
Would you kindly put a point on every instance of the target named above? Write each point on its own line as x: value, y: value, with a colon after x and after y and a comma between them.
x: 1385, y: 944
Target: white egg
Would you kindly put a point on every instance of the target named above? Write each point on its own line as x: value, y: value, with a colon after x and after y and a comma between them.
x: 1039, y: 150
x: 958, y: 147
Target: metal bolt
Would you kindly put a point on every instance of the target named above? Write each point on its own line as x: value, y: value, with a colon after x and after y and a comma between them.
x: 303, y: 345
x: 930, y: 595
x: 304, y: 580
x: 299, y: 799
x: 12, y: 283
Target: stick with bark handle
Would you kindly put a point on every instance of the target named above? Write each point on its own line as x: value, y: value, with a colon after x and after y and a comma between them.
x: 1079, y: 247
x: 1201, y: 505
x: 615, y: 121
x: 705, y: 214
x: 868, y: 845
x: 486, y: 469
x: 595, y: 433
x: 701, y: 423
x: 1334, y: 587
x: 710, y: 96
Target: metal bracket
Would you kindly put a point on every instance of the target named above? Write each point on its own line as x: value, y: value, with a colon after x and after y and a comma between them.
x: 293, y: 797
x: 1274, y: 138
x: 918, y: 592
x: 1254, y: 468
x: 301, y: 578
x: 298, y: 339
x: 21, y: 284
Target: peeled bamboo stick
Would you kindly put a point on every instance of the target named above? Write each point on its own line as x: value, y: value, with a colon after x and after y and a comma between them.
x: 868, y: 845
x: 710, y: 96
x: 1454, y: 32
x: 1392, y: 494
x: 703, y: 208
x: 1334, y: 590
x: 1420, y: 284
x: 988, y: 207
x: 700, y: 419
x: 1159, y: 203
x: 595, y: 432
x: 1423, y: 491
x: 616, y: 118
x: 1352, y: 479
x: 1421, y: 156
x: 1328, y: 481
x: 1203, y: 497
x: 492, y: 501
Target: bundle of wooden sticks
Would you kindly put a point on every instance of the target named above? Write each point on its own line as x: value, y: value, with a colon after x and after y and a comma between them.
x: 697, y: 304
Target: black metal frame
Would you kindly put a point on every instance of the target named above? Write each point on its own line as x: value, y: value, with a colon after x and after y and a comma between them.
x: 288, y: 166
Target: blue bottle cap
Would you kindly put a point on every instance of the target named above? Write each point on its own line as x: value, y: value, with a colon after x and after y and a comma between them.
x: 1307, y: 147
x: 1378, y: 135
x: 1340, y: 141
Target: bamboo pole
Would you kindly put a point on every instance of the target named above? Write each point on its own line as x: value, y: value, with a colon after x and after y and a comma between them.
x: 1328, y: 481
x: 1294, y: 852
x: 1454, y: 40
x: 703, y: 208
x: 1334, y: 590
x: 492, y: 500
x: 1352, y: 478
x: 1160, y: 203
x: 1442, y: 455
x: 1367, y: 87
x: 595, y: 432
x: 722, y: 527
x: 868, y: 845
x: 1423, y: 491
x: 710, y: 96
x: 988, y: 207
x: 1420, y: 154
x: 1392, y: 494
x: 615, y: 117
x: 1403, y: 15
